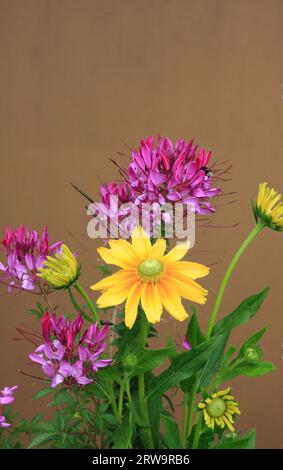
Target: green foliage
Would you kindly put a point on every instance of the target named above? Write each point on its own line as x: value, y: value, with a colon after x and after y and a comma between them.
x: 237, y: 441
x: 184, y: 366
x: 172, y: 436
x: 246, y: 310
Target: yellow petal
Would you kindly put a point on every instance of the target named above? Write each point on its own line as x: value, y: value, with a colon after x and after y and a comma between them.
x: 113, y: 296
x: 187, y: 268
x: 176, y: 254
x: 228, y: 424
x: 151, y: 302
x: 116, y: 278
x: 171, y: 301
x: 141, y: 243
x: 131, y: 309
x: 221, y: 393
x: 124, y: 249
x: 158, y: 249
x: 111, y: 256
x: 187, y: 288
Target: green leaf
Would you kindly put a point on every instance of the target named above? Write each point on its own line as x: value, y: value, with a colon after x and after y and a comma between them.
x: 251, y: 370
x: 183, y: 367
x: 123, y: 435
x: 43, y: 392
x: 214, y: 362
x: 194, y: 333
x: 171, y: 432
x: 171, y: 346
x: 150, y: 360
x: 246, y: 441
x: 246, y: 310
x: 41, y: 439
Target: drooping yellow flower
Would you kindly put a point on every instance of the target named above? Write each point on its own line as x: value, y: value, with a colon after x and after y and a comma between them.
x: 60, y: 270
x: 219, y: 408
x: 149, y: 276
x: 268, y: 208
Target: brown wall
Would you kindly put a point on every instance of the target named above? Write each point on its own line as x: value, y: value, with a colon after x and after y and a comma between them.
x: 80, y: 79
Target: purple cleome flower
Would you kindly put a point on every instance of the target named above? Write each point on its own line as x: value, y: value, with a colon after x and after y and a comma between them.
x: 158, y: 174
x: 25, y: 253
x: 6, y: 398
x: 68, y: 354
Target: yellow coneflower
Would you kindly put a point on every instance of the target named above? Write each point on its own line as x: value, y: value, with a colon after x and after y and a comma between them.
x: 148, y: 275
x: 60, y: 270
x: 268, y: 208
x: 219, y: 408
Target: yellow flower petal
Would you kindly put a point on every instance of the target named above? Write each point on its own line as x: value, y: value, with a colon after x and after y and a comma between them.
x: 176, y: 254
x: 171, y: 301
x: 131, y: 309
x: 121, y: 276
x: 228, y: 424
x: 221, y: 393
x: 187, y: 288
x: 158, y: 249
x: 151, y: 303
x: 141, y: 243
x: 113, y: 297
x: 112, y: 256
x: 187, y: 268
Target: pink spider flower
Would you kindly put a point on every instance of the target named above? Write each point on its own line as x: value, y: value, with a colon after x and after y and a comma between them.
x: 6, y: 397
x: 169, y: 172
x: 69, y: 353
x: 25, y: 253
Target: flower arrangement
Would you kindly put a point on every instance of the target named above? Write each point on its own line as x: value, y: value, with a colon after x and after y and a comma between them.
x: 107, y: 384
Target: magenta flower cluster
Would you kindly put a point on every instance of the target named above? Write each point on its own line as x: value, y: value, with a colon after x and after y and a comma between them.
x: 25, y: 253
x: 68, y: 353
x: 6, y: 397
x: 165, y: 173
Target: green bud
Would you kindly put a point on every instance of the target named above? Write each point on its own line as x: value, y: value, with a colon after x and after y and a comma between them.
x: 252, y: 353
x: 130, y: 362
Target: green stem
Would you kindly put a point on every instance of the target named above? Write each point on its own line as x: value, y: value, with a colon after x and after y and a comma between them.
x: 185, y: 419
x: 121, y: 398
x: 141, y: 386
x: 197, y: 433
x: 215, y: 309
x: 77, y: 307
x: 191, y: 406
x: 227, y: 275
x: 88, y: 300
x: 113, y: 403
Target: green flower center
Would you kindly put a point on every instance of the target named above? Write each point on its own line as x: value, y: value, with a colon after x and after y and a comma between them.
x: 150, y: 270
x: 216, y: 408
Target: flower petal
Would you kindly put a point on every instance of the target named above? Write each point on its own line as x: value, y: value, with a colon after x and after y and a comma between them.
x: 151, y: 303
x: 131, y: 309
x: 176, y: 254
x: 188, y: 288
x: 193, y: 270
x: 141, y: 243
x: 171, y: 301
x: 120, y: 277
x: 158, y: 249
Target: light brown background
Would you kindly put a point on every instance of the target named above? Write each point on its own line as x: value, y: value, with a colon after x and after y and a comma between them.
x: 80, y: 79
